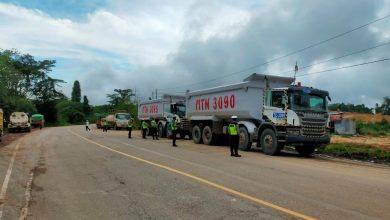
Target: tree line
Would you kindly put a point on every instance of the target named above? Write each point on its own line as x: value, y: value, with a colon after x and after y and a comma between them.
x: 383, y: 108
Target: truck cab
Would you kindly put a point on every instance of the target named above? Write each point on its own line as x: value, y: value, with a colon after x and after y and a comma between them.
x: 299, y: 115
x: 19, y: 122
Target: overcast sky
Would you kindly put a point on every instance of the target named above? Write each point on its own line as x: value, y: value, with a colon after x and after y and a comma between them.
x: 163, y: 44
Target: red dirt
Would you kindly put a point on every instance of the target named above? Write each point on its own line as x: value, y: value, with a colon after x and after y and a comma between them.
x: 381, y: 142
x: 10, y: 137
x: 366, y: 117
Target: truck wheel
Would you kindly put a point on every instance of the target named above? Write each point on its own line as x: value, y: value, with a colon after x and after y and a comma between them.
x: 268, y: 142
x: 161, y: 131
x: 245, y: 144
x: 197, y: 134
x: 305, y: 150
x: 207, y: 135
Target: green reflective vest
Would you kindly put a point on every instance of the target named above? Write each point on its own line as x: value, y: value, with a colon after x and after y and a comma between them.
x: 130, y: 124
x: 173, y: 126
x: 153, y: 124
x: 232, y: 129
x: 144, y: 125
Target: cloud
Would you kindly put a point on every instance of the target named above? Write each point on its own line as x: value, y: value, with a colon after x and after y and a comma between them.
x: 168, y: 44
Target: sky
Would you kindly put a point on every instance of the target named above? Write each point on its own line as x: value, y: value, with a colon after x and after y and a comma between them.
x: 176, y: 45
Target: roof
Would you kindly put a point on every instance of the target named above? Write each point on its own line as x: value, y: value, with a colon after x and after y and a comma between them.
x: 263, y: 77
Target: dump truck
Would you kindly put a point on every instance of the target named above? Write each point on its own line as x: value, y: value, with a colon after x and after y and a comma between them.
x: 163, y: 110
x: 271, y: 112
x: 110, y: 119
x: 121, y: 120
x: 19, y: 121
x: 37, y: 120
x: 1, y: 124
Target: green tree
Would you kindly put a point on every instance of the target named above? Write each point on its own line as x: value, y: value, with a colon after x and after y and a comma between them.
x: 70, y: 112
x: 86, y: 106
x: 76, y: 92
x: 120, y: 96
x: 386, y: 106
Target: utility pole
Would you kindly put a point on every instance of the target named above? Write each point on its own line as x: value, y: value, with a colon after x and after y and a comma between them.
x: 295, y: 70
x: 156, y: 94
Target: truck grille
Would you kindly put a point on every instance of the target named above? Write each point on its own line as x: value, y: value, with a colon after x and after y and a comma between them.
x: 313, y: 124
x: 185, y: 124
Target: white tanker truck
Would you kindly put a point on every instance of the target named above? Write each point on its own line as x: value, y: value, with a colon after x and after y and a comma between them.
x: 163, y: 110
x: 271, y: 112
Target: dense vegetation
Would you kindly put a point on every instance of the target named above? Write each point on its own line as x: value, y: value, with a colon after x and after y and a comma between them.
x: 26, y: 86
x: 374, y: 129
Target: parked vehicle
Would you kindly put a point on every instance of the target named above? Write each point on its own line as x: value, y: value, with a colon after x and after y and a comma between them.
x: 163, y: 110
x: 121, y: 120
x: 37, y: 120
x: 271, y: 112
x: 99, y: 118
x: 1, y: 124
x: 19, y: 121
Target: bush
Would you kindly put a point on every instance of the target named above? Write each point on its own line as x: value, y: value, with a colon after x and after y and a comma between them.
x: 375, y: 129
x: 353, y: 151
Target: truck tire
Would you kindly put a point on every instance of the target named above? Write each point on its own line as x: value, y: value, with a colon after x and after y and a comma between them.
x: 305, y: 150
x: 161, y: 131
x: 207, y: 135
x: 245, y: 144
x: 269, y: 143
x: 197, y: 134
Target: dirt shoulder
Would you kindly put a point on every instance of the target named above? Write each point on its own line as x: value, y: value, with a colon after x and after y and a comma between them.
x: 380, y: 142
x: 8, y: 138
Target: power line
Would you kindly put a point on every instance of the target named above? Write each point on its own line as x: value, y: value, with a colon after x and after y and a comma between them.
x: 345, y: 67
x: 286, y: 55
x: 336, y: 58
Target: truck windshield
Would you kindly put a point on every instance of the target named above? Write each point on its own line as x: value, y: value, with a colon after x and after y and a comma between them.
x: 180, y: 110
x: 304, y: 101
x: 123, y: 116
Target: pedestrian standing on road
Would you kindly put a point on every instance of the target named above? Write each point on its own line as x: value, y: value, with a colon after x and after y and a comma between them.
x: 104, y: 126
x: 233, y: 137
x: 130, y: 127
x: 153, y: 128
x: 174, y: 131
x: 87, y: 126
x: 144, y: 127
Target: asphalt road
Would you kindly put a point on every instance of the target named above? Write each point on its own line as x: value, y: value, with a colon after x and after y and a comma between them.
x: 67, y: 173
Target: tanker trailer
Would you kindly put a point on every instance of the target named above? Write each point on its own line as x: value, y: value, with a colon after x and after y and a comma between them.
x: 271, y: 113
x: 163, y: 110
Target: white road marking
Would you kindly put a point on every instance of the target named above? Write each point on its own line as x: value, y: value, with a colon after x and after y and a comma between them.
x: 24, y: 211
x: 6, y: 181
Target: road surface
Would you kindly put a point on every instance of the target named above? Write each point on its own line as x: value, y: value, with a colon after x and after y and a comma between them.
x: 68, y: 173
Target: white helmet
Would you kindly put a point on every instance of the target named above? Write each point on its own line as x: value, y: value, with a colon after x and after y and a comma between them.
x: 233, y: 117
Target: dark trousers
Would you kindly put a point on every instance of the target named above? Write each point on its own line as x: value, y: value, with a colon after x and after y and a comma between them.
x: 233, y: 143
x: 154, y: 133
x: 104, y: 128
x: 86, y: 128
x: 129, y: 129
x: 144, y: 133
x: 174, y: 132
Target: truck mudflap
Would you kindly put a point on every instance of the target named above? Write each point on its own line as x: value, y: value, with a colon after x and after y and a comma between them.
x: 291, y: 139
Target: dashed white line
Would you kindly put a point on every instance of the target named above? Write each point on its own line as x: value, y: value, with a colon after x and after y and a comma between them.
x: 6, y: 181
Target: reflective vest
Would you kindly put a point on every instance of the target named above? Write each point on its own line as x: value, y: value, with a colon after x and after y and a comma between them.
x: 130, y: 125
x: 232, y: 129
x: 173, y: 125
x: 153, y: 123
x: 144, y: 125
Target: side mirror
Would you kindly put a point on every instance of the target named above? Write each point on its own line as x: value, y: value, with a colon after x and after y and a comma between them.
x: 329, y: 98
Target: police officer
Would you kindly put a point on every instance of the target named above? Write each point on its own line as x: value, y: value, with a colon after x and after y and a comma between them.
x: 130, y: 127
x: 174, y: 131
x: 105, y: 124
x: 233, y: 137
x: 153, y: 126
x: 144, y: 127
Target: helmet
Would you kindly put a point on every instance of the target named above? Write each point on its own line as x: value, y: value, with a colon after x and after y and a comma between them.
x: 234, y: 117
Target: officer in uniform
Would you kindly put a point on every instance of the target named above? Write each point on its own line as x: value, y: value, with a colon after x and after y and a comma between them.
x: 153, y: 126
x: 144, y: 126
x: 174, y: 131
x: 130, y: 127
x: 233, y: 137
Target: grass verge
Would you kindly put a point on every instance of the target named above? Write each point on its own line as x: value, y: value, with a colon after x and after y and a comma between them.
x: 355, y: 151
